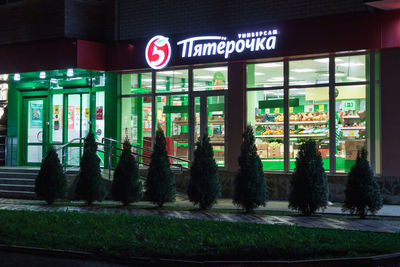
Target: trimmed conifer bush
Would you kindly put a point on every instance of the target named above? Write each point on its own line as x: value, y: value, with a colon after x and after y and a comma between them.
x: 160, y: 183
x: 250, y: 190
x: 204, y: 187
x: 362, y: 194
x: 126, y: 186
x: 51, y: 183
x: 309, y: 185
x: 90, y: 186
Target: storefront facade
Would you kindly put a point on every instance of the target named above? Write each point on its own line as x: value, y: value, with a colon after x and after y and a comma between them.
x: 329, y: 79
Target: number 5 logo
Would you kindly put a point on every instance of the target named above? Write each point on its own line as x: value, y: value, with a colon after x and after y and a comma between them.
x: 158, y: 52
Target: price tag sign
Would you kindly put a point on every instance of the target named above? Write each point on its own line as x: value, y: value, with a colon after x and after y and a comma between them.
x: 290, y: 109
x: 276, y: 110
x: 321, y: 108
x: 87, y: 112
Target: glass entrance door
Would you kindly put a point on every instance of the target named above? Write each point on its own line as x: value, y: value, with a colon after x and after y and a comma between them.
x: 34, y: 134
x: 77, y: 125
x: 210, y: 119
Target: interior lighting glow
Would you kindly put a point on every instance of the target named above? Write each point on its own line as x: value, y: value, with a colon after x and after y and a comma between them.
x: 17, y: 77
x: 216, y: 69
x: 70, y: 72
x: 276, y: 79
x: 42, y: 75
x: 350, y: 64
x: 355, y: 79
x: 204, y: 77
x: 303, y: 70
x: 169, y: 72
x: 269, y: 65
x: 326, y: 60
x: 258, y: 74
x: 336, y: 74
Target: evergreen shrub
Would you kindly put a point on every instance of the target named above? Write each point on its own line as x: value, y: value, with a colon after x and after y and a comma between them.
x: 90, y: 185
x: 126, y: 186
x: 204, y: 187
x: 160, y: 183
x: 250, y: 190
x: 51, y: 183
x: 309, y: 185
x: 362, y: 194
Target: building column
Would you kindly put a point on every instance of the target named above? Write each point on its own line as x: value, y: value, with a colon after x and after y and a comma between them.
x: 390, y: 120
x: 236, y: 113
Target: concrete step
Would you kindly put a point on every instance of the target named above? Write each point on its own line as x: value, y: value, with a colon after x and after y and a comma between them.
x: 25, y: 175
x: 17, y: 187
x: 20, y: 169
x: 17, y: 194
x: 22, y: 181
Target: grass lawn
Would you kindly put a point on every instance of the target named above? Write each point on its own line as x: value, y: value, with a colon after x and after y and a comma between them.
x: 123, y: 235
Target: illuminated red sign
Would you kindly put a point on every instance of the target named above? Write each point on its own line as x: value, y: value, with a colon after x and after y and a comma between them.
x: 158, y: 52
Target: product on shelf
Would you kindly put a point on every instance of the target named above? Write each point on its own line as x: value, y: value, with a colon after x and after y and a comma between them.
x: 279, y: 118
x: 215, y: 118
x: 316, y: 116
x: 352, y: 147
x: 275, y: 150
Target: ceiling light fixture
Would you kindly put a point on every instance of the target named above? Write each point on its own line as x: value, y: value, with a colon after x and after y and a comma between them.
x: 70, y: 72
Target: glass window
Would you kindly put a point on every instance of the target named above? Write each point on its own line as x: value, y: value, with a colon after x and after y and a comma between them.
x: 308, y: 119
x: 216, y: 126
x: 265, y: 114
x: 100, y: 111
x: 350, y: 69
x: 172, y: 81
x: 351, y: 124
x: 136, y: 83
x: 309, y: 110
x: 57, y: 129
x: 214, y: 78
x: 310, y: 71
x: 136, y: 123
x: 172, y: 116
x: 265, y: 74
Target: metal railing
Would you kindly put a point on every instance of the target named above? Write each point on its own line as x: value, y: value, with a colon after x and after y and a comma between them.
x: 64, y: 161
x: 111, y: 152
x: 137, y: 154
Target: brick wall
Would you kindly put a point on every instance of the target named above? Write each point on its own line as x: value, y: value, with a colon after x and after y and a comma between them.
x: 31, y: 20
x: 146, y: 18
x: 88, y: 20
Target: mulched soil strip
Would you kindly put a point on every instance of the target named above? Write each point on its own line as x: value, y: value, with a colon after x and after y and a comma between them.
x: 357, y: 261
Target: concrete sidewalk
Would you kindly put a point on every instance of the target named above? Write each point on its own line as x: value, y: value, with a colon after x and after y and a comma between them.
x: 387, y: 225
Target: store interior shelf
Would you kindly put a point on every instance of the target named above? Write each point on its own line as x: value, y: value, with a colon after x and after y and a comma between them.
x: 291, y: 122
x: 351, y: 117
x: 352, y: 128
x: 181, y: 122
x: 291, y: 136
x: 216, y: 122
